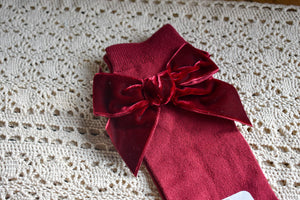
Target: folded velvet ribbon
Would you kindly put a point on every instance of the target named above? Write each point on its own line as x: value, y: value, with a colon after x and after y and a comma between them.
x: 134, y: 104
x: 166, y: 109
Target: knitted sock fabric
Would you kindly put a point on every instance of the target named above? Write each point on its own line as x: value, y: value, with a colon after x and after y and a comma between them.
x: 190, y: 156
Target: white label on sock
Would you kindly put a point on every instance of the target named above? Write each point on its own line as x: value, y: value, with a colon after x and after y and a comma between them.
x: 242, y: 195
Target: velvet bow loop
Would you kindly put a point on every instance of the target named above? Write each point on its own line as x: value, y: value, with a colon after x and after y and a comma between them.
x: 190, y: 66
x: 133, y: 105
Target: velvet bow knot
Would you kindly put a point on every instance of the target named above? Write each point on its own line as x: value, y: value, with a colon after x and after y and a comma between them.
x: 158, y: 89
x: 133, y: 105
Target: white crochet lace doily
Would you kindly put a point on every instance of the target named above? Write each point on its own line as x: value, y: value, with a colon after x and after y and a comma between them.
x: 51, y: 146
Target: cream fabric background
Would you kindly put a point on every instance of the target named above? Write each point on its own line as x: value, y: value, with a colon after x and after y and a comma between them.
x: 51, y: 146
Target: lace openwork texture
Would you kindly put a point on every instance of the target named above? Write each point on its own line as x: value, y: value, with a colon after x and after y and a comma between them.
x: 51, y: 145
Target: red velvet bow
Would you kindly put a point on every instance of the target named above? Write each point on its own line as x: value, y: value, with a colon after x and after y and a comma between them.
x: 133, y: 105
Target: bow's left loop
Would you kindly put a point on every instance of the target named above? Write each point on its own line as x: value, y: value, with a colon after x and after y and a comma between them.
x: 132, y: 121
x: 115, y: 95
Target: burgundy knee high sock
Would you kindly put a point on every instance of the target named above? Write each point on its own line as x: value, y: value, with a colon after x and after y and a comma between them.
x: 193, y: 154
